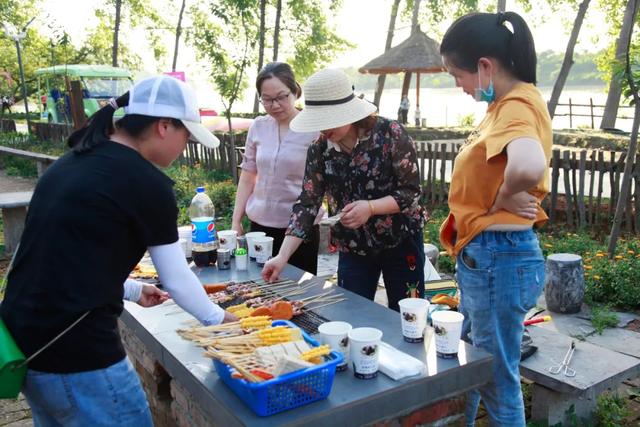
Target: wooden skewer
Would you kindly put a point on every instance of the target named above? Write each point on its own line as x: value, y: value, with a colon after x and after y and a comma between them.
x: 326, y: 304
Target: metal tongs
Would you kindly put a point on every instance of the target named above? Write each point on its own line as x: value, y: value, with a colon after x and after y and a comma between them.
x: 564, y: 366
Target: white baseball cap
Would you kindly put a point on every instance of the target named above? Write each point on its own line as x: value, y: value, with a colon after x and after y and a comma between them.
x: 165, y: 96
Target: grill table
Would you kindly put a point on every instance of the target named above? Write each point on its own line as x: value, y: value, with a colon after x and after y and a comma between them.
x: 351, y: 402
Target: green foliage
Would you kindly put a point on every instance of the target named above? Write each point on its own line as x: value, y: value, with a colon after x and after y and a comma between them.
x: 611, y: 410
x: 602, y: 318
x: 446, y: 264
x: 218, y: 186
x: 607, y: 281
x: 467, y: 120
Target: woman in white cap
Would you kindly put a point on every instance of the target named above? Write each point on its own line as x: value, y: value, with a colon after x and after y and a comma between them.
x: 367, y: 168
x: 273, y: 165
x: 93, y: 214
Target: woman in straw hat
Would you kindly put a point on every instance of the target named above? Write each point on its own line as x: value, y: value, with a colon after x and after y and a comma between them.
x: 499, y: 179
x: 367, y: 167
x: 273, y: 165
x: 93, y: 214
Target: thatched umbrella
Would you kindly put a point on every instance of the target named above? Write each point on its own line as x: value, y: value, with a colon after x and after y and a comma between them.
x: 417, y: 54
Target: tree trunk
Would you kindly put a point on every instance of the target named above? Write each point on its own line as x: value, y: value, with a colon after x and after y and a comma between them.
x: 633, y: 143
x: 568, y: 58
x: 178, y: 33
x: 263, y: 6
x: 564, y: 283
x: 116, y: 31
x: 387, y: 46
x: 615, y: 86
x: 502, y: 5
x: 276, y: 30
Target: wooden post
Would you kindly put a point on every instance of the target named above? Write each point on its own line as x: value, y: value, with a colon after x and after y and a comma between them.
x: 574, y: 167
x: 427, y: 194
x: 581, y: 209
x: 591, y: 105
x: 555, y: 176
x: 77, y: 105
x: 592, y: 180
x: 443, y: 165
x: 421, y: 157
x: 570, y: 115
x: 602, y: 169
x: 566, y: 165
x: 564, y: 283
x: 434, y: 159
x: 612, y: 182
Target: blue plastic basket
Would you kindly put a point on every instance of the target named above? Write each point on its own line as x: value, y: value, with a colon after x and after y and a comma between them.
x: 286, y: 391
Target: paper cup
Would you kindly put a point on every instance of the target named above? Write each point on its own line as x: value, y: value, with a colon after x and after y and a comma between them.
x: 262, y: 247
x: 364, y: 351
x: 336, y: 336
x: 227, y: 240
x: 250, y: 236
x: 447, y: 326
x: 413, y: 312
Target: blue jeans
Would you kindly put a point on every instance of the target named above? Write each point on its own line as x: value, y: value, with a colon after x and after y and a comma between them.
x: 105, y: 397
x: 402, y: 268
x: 500, y: 275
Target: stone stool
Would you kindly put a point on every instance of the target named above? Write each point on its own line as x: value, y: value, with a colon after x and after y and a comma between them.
x: 564, y: 283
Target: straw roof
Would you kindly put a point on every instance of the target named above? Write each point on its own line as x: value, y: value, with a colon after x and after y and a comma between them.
x: 418, y: 54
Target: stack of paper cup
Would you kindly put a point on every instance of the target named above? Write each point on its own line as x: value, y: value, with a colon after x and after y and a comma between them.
x: 184, y: 232
x: 250, y: 236
x: 336, y: 336
x: 227, y: 240
x: 263, y: 248
x: 364, y: 351
x: 447, y: 326
x: 413, y: 312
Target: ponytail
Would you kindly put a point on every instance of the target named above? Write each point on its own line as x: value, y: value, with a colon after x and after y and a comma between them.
x: 98, y: 128
x: 478, y: 35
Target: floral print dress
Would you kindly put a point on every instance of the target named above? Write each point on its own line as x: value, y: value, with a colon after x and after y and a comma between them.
x: 383, y: 163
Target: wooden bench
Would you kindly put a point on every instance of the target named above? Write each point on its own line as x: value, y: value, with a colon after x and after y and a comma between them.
x: 597, y: 369
x: 42, y: 160
x: 14, y: 212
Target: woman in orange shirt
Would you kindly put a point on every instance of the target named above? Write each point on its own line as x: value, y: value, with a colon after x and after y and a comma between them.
x: 499, y: 179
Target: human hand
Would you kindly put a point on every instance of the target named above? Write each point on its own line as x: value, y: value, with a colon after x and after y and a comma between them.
x: 272, y: 268
x: 152, y: 296
x: 355, y: 214
x: 237, y: 227
x: 522, y: 204
x: 229, y: 317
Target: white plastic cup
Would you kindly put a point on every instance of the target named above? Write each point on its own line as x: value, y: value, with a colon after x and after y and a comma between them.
x: 263, y: 248
x: 413, y: 312
x: 242, y: 261
x: 447, y: 326
x: 227, y: 240
x: 183, y: 246
x: 250, y: 236
x: 336, y: 336
x: 364, y: 351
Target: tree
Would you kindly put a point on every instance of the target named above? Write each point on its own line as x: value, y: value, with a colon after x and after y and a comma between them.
x: 229, y: 52
x: 178, y: 34
x: 276, y: 30
x: 116, y: 33
x: 261, y: 35
x: 633, y: 78
x: 567, y: 63
x: 387, y: 46
x: 615, y: 88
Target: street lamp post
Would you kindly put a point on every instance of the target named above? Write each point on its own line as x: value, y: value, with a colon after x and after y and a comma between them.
x: 10, y: 32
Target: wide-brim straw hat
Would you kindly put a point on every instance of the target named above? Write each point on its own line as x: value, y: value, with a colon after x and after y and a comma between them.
x: 330, y: 103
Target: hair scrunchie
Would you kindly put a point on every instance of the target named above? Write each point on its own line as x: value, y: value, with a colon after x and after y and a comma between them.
x: 501, y: 18
x: 113, y: 103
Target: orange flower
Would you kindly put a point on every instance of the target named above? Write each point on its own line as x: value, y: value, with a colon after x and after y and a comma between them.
x: 618, y: 256
x: 599, y: 255
x: 547, y: 245
x: 596, y: 277
x: 630, y: 252
x: 588, y: 267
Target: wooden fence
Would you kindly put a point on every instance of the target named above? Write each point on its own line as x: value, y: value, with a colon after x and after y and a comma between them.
x: 588, y: 110
x: 584, y: 188
x: 217, y: 158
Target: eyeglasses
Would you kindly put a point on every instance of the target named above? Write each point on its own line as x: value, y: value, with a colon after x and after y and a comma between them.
x: 268, y: 102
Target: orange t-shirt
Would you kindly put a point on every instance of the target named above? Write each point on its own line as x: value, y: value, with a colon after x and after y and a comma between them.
x: 479, y: 167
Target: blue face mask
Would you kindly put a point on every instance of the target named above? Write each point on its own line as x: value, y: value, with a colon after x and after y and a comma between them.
x: 480, y: 94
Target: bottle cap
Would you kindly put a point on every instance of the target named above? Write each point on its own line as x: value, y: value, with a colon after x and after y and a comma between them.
x: 200, y: 190
x: 241, y: 251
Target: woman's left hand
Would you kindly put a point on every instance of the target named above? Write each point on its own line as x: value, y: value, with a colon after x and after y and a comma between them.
x: 356, y: 214
x: 151, y: 296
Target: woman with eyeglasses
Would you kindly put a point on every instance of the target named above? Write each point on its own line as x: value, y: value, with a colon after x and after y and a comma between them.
x: 273, y: 165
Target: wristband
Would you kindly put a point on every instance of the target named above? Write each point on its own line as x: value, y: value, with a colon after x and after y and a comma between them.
x: 371, y: 208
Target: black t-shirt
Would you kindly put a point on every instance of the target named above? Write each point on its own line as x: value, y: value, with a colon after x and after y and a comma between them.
x: 90, y: 220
